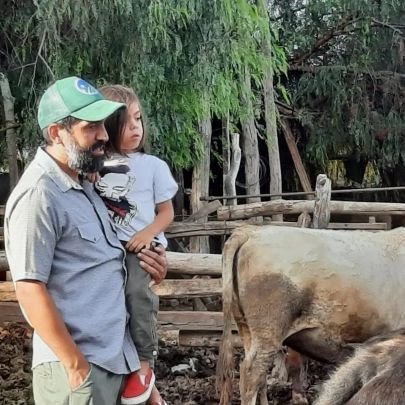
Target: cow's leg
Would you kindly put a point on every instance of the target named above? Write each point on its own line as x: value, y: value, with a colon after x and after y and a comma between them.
x: 263, y: 394
x: 270, y: 303
x: 297, y: 373
x: 253, y: 371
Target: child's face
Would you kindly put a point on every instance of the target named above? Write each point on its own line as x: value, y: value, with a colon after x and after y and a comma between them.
x: 133, y: 131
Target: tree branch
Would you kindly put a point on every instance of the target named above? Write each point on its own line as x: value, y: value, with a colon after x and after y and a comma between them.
x: 376, y: 74
x: 7, y: 127
x: 36, y: 60
x: 394, y: 27
x: 334, y: 32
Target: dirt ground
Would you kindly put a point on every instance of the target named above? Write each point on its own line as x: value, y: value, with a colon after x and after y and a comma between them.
x: 185, y: 376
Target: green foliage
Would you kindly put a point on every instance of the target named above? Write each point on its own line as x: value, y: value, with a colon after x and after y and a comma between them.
x: 184, y: 58
x: 346, y: 59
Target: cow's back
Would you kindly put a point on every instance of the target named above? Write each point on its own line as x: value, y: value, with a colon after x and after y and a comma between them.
x: 352, y: 282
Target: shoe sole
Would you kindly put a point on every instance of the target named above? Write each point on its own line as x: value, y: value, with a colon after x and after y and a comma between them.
x: 141, y: 398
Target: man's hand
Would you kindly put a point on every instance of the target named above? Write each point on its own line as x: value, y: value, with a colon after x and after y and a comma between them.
x: 77, y: 375
x: 154, y: 262
x: 43, y: 316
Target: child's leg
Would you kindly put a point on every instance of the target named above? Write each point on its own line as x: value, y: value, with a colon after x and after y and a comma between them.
x: 143, y: 306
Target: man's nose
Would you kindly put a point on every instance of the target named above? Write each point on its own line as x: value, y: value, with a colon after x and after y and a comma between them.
x: 102, y: 134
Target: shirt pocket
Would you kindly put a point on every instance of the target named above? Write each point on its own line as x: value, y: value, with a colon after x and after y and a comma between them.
x: 90, y: 232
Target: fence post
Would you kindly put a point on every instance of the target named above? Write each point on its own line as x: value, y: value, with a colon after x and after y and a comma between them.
x: 322, y: 197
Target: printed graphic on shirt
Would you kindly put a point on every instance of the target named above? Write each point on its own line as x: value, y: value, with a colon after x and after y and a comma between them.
x: 114, y: 184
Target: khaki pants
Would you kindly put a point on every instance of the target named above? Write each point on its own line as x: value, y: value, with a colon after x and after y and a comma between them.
x: 50, y: 386
x: 143, y: 306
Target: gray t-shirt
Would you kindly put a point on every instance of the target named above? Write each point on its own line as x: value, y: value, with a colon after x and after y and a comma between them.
x: 59, y: 232
x: 131, y: 187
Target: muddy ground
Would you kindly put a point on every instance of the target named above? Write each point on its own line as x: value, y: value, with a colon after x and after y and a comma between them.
x: 192, y: 382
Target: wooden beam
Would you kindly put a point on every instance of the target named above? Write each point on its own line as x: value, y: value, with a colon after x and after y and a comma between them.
x: 205, y: 339
x: 3, y: 261
x: 296, y: 157
x: 321, y: 215
x: 7, y: 293
x: 192, y: 320
x: 204, y: 264
x: 199, y: 335
x: 244, y: 211
x: 180, y: 230
x: 204, y: 211
x: 377, y: 226
x: 10, y: 312
x: 202, y: 287
x: 167, y: 320
x: 194, y: 263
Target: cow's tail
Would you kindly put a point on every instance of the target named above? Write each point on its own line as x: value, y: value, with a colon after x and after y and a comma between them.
x: 225, y: 364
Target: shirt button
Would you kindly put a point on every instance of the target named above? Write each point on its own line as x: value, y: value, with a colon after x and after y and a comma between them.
x: 154, y: 353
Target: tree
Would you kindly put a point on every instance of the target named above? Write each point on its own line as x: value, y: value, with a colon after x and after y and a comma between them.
x: 346, y: 78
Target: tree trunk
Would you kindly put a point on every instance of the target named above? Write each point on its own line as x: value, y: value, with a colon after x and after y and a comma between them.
x: 272, y: 138
x: 270, y: 116
x: 178, y: 201
x: 226, y: 153
x: 249, y: 142
x: 230, y: 177
x: 11, y: 135
x: 200, y: 187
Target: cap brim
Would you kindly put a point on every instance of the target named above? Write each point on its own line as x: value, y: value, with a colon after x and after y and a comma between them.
x: 97, y: 111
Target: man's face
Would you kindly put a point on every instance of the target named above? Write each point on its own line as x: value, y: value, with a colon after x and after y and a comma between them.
x: 84, y: 145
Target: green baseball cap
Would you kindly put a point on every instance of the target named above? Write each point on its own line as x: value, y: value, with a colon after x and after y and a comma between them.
x: 74, y: 97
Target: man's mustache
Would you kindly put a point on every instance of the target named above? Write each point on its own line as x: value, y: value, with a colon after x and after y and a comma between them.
x: 97, y: 145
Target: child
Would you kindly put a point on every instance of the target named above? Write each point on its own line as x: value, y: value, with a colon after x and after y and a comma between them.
x: 137, y: 189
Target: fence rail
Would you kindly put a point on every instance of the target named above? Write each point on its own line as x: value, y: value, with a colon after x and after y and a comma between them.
x: 198, y: 275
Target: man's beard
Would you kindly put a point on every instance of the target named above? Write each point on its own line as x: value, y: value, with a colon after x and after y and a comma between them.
x: 83, y: 160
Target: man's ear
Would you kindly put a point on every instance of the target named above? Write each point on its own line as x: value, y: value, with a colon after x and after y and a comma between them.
x: 53, y: 133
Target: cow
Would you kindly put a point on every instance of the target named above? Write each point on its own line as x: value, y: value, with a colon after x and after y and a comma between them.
x: 375, y: 375
x: 316, y: 291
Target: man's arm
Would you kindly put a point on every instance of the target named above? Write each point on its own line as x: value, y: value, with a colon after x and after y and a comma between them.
x: 32, y: 229
x: 43, y: 316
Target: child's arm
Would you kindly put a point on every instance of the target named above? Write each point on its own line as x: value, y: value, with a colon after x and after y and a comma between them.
x: 163, y: 219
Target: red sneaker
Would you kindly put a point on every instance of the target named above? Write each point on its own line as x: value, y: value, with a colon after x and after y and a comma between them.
x: 138, y: 388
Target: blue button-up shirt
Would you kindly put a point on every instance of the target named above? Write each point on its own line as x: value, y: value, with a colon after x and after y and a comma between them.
x: 58, y: 232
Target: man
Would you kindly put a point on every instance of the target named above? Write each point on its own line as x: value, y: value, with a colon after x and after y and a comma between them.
x: 65, y: 258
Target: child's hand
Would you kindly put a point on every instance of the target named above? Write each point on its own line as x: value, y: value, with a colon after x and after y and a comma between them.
x: 142, y: 239
x: 93, y: 177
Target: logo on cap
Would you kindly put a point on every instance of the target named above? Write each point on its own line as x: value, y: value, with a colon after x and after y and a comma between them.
x: 85, y: 88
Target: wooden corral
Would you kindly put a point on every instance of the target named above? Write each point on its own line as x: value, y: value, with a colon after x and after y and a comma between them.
x: 195, y: 278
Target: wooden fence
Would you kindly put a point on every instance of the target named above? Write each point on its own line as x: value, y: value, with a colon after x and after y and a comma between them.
x: 193, y: 276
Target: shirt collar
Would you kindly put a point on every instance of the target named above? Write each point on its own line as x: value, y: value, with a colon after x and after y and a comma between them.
x: 60, y: 178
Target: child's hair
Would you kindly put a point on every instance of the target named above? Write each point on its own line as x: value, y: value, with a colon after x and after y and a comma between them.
x: 115, y: 123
